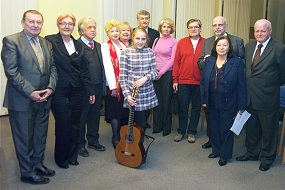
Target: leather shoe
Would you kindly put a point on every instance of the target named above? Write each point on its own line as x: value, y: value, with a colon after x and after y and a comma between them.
x: 264, y: 167
x: 83, y: 152
x: 74, y: 163
x: 245, y: 158
x: 157, y: 131
x: 212, y: 155
x: 165, y: 134
x: 35, y: 179
x: 97, y: 147
x: 44, y: 171
x: 222, y: 162
x: 207, y: 145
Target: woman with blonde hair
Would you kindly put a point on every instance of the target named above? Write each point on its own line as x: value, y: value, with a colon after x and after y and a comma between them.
x: 126, y: 32
x: 164, y: 49
x: 111, y: 52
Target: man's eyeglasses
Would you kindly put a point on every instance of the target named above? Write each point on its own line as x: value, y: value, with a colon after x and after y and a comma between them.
x: 193, y: 27
x: 33, y: 22
x: 66, y: 23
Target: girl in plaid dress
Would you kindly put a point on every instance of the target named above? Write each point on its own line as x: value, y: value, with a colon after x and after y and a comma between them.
x: 137, y: 70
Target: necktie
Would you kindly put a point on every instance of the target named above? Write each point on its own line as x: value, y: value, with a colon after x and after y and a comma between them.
x: 91, y: 45
x: 38, y: 52
x: 256, y: 56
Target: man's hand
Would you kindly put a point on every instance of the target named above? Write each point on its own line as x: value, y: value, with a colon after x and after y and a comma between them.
x: 92, y: 99
x: 40, y: 95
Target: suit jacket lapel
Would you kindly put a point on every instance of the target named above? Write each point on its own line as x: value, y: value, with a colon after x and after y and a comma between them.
x: 228, y: 66
x: 29, y: 48
x: 267, y: 50
x: 60, y: 44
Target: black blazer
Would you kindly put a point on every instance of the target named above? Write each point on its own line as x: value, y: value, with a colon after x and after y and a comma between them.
x: 264, y: 80
x: 95, y: 66
x: 152, y: 35
x: 72, y: 69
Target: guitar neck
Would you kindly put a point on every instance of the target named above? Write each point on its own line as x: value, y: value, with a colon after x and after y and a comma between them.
x: 131, y: 121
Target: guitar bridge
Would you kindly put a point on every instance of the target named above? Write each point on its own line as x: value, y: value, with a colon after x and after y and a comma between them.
x: 127, y: 153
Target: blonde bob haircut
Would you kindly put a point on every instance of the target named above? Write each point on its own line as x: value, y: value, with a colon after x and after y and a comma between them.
x: 110, y: 24
x: 65, y: 15
x: 168, y: 21
x: 125, y: 24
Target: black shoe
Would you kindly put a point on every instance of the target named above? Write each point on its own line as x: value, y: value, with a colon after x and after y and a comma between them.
x: 74, y: 163
x: 83, y: 152
x: 165, y: 134
x: 64, y: 166
x: 207, y: 144
x: 264, y: 167
x: 44, y: 171
x: 212, y: 155
x: 222, y: 162
x: 157, y: 131
x: 35, y: 180
x: 97, y: 147
x: 114, y: 142
x: 245, y: 158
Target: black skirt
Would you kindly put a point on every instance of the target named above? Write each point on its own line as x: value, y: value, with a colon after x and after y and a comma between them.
x: 114, y: 109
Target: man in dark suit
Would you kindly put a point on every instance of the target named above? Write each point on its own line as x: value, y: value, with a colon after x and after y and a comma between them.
x: 91, y: 112
x: 264, y: 75
x: 219, y: 27
x: 143, y: 18
x: 31, y: 81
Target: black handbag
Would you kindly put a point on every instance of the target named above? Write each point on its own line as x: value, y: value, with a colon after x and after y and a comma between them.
x: 173, y: 104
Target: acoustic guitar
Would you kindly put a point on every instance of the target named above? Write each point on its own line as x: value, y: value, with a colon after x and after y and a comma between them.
x: 130, y: 150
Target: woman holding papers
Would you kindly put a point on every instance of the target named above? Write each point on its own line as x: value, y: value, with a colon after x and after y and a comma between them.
x: 223, y: 92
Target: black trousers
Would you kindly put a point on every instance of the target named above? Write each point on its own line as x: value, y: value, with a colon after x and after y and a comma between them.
x: 66, y: 108
x: 262, y: 134
x: 162, y: 118
x: 90, y: 115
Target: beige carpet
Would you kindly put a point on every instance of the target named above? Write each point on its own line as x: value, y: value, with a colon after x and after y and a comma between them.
x: 169, y: 165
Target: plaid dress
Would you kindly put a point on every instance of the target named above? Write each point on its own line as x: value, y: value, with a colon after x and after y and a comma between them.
x: 135, y: 64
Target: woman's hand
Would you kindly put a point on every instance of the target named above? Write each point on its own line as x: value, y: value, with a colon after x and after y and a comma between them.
x: 140, y: 82
x: 114, y: 93
x: 240, y: 111
x: 131, y: 101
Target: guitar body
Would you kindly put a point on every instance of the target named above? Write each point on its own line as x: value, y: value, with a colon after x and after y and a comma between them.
x: 131, y: 153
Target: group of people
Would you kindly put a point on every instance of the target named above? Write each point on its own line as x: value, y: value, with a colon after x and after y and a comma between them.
x: 217, y: 73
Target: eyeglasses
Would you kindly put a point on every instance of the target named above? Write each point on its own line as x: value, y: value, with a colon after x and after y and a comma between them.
x: 33, y: 22
x: 193, y: 27
x: 66, y: 23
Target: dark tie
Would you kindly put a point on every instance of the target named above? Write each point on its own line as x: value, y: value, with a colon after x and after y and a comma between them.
x: 91, y: 45
x: 38, y: 52
x: 256, y: 56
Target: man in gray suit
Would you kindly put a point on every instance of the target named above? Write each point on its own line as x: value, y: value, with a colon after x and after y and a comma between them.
x: 264, y: 75
x: 31, y: 81
x: 219, y: 27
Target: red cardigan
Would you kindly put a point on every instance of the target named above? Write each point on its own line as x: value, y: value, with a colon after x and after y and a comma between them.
x: 185, y: 67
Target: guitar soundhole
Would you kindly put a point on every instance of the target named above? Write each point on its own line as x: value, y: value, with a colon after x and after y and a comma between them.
x: 129, y: 138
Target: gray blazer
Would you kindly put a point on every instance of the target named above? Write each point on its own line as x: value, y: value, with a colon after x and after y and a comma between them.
x: 23, y: 71
x: 208, y: 45
x: 263, y: 82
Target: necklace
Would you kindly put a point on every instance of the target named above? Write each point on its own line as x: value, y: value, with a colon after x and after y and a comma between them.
x: 218, y: 70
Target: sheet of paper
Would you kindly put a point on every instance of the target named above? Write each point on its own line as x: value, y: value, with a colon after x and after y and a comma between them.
x: 239, y: 122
